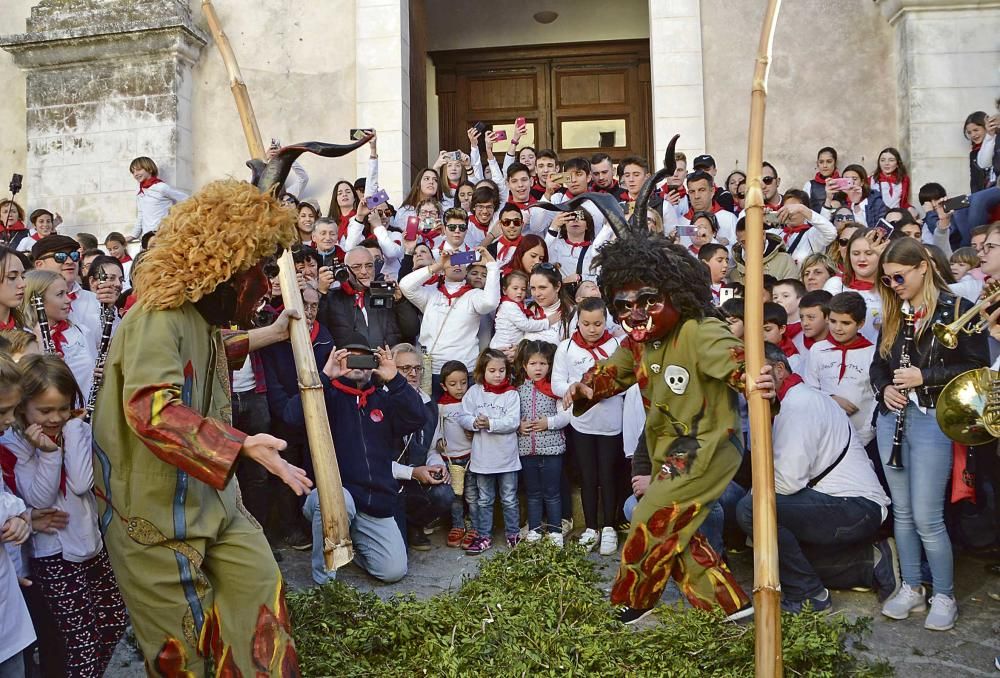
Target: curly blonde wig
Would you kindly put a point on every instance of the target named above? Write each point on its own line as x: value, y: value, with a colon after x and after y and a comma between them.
x: 223, y: 229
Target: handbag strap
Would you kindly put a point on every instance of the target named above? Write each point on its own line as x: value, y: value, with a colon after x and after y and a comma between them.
x: 815, y: 481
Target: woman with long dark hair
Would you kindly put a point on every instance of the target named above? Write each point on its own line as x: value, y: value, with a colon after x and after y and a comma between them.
x: 548, y: 294
x: 426, y: 186
x: 914, y: 298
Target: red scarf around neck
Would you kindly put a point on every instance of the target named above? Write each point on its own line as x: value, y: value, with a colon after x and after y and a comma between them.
x: 342, y: 225
x: 536, y: 313
x: 314, y: 331
x: 523, y: 205
x: 59, y: 335
x: 788, y: 347
x: 594, y: 349
x: 497, y: 389
x: 10, y: 324
x: 506, y: 246
x: 146, y: 183
x: 790, y: 381
x: 452, y: 296
x: 809, y: 341
x: 125, y: 258
x: 794, y: 329
x: 787, y: 231
x: 857, y: 342
x: 716, y: 207
x: 360, y: 394
x: 574, y: 245
x: 475, y: 222
x: 821, y: 180
x: 448, y: 399
x: 862, y: 285
x: 544, y: 386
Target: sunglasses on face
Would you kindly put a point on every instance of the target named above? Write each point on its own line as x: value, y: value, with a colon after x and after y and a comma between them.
x: 644, y: 301
x: 512, y: 222
x: 842, y: 217
x: 545, y: 266
x: 454, y: 228
x: 895, y: 279
x: 768, y: 180
x: 61, y: 257
x: 843, y: 242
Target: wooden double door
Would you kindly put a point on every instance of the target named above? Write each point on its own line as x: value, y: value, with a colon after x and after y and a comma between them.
x: 577, y: 99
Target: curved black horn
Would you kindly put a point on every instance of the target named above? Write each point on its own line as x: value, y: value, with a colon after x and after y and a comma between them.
x: 605, y: 204
x: 273, y: 175
x: 642, y: 200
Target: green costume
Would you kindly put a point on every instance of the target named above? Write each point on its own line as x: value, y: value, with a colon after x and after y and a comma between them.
x: 194, y: 568
x: 689, y: 380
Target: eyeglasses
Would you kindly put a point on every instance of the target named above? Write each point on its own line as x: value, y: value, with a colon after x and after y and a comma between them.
x: 842, y: 217
x: 454, y: 228
x: 410, y: 369
x: 362, y: 267
x: 896, y: 279
x: 310, y: 306
x: 61, y: 257
x: 989, y: 247
x: 644, y: 301
x: 843, y: 242
x: 768, y: 180
x: 512, y: 222
x: 482, y: 208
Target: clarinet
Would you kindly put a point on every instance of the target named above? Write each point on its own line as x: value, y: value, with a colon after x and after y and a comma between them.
x: 108, y: 320
x: 38, y: 303
x: 896, y: 455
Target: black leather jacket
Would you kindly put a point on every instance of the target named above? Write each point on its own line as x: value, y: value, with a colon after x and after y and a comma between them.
x: 937, y: 364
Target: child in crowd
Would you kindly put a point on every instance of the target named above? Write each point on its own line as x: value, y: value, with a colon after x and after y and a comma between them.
x: 716, y: 259
x: 839, y: 364
x: 73, y: 343
x: 456, y: 225
x: 514, y: 319
x: 491, y: 409
x: 732, y: 310
x: 454, y: 444
x: 597, y: 434
x: 788, y: 292
x: 813, y: 312
x: 115, y: 244
x: 43, y: 223
x: 891, y: 179
x: 155, y: 198
x: 964, y: 265
x: 541, y: 442
x: 54, y: 469
x: 22, y: 343
x: 775, y: 326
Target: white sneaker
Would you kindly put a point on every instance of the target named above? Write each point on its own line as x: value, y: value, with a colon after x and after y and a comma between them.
x: 588, y: 540
x: 905, y: 601
x: 567, y: 526
x: 532, y: 536
x: 609, y: 541
x: 556, y: 538
x: 944, y: 612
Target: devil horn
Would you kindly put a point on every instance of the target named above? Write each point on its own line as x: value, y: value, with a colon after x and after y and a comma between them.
x: 272, y: 176
x: 642, y: 200
x: 605, y: 204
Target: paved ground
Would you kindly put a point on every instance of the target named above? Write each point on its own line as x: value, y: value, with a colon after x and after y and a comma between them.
x: 914, y: 652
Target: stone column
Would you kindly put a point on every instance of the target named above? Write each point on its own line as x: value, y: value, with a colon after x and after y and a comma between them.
x: 947, y: 57
x: 107, y: 80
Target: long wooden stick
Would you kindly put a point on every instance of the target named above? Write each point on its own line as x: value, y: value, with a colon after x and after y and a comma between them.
x: 767, y: 588
x: 337, y: 548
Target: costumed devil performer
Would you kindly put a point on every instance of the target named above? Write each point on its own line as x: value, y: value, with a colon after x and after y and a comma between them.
x: 194, y: 568
x: 689, y: 367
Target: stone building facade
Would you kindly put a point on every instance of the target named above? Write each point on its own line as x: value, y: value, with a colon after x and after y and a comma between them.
x: 89, y: 84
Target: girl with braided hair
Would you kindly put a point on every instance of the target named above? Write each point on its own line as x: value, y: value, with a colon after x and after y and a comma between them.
x: 689, y: 368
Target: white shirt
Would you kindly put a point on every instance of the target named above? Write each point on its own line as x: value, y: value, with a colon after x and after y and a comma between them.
x: 512, y: 324
x: 494, y: 450
x: 16, y: 632
x: 814, y: 239
x: 451, y: 336
x: 873, y: 318
x: 823, y: 373
x: 152, y: 204
x: 449, y: 428
x: 810, y: 432
x: 571, y: 362
x: 38, y: 478
x: 80, y: 357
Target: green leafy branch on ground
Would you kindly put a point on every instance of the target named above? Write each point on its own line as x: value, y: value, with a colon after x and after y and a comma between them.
x: 537, y: 611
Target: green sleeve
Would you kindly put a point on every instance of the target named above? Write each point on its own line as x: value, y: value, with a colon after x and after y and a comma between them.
x: 720, y: 354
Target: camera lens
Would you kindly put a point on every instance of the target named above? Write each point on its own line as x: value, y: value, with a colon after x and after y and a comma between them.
x: 341, y: 274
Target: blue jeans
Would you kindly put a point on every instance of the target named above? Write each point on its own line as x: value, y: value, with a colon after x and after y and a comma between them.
x: 822, y: 540
x: 542, y: 474
x: 918, y: 495
x: 379, y: 548
x: 470, y: 496
x: 487, y: 485
x: 13, y: 666
x: 711, y: 528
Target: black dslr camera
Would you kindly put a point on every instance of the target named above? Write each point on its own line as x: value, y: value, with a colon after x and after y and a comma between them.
x: 382, y: 293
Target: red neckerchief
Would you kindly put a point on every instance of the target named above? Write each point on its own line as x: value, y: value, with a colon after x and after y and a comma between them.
x: 857, y: 342
x: 9, y: 325
x: 544, y: 386
x: 146, y: 183
x: 314, y: 331
x: 452, y: 186
x: 361, y: 395
x: 342, y: 224
x: 537, y: 313
x: 694, y: 249
x: 791, y: 380
x: 434, y: 280
x: 125, y: 259
x: 523, y: 205
x: 452, y: 296
x: 71, y: 295
x: 475, y: 222
x: 502, y: 387
x: 59, y: 335
x: 568, y: 194
x: 507, y: 245
x: 36, y: 236
x: 428, y: 237
x: 821, y: 180
x: 862, y: 285
x: 536, y: 185
x: 574, y: 245
x: 787, y: 231
x: 448, y: 399
x: 16, y: 226
x: 788, y: 347
x: 595, y: 348
x: 793, y: 330
x: 613, y: 188
x: 809, y: 341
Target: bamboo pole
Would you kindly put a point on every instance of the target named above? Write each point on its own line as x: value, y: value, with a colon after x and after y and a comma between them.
x: 767, y: 588
x: 337, y: 548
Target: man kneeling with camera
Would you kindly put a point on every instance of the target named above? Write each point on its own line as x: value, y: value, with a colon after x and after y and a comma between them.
x: 363, y: 304
x: 370, y: 405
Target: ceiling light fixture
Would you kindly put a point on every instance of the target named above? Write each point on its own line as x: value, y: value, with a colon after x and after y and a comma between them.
x: 546, y: 17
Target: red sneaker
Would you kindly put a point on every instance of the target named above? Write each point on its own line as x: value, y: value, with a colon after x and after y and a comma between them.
x: 470, y: 536
x: 455, y: 537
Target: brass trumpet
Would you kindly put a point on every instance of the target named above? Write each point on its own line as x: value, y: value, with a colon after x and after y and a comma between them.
x: 968, y: 409
x: 948, y: 334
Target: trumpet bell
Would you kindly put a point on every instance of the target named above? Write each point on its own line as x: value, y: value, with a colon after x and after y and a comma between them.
x: 961, y: 407
x: 946, y: 335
